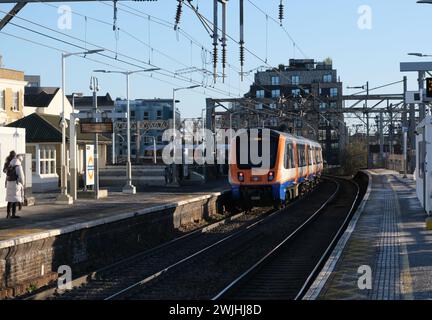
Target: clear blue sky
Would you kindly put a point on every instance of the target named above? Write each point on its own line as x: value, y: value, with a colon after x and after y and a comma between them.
x: 321, y: 29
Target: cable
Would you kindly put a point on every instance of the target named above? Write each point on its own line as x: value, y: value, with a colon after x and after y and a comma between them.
x: 100, y: 47
x: 95, y: 60
x: 280, y: 25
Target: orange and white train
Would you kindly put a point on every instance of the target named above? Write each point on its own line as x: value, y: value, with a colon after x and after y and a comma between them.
x: 295, y: 166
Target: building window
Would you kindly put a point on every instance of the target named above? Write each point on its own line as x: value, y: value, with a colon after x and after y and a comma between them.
x: 260, y: 94
x: 335, y: 146
x: 298, y: 123
x: 272, y: 105
x: 15, y: 105
x: 327, y: 78
x: 2, y: 100
x: 323, y: 106
x: 333, y: 92
x: 295, y: 80
x: 334, y: 135
x: 146, y: 115
x: 275, y: 81
x: 159, y: 115
x: 47, y: 160
x: 306, y: 91
x: 295, y: 92
x: 333, y: 105
x: 322, y: 135
x: 148, y: 140
x: 276, y: 93
x: 132, y: 113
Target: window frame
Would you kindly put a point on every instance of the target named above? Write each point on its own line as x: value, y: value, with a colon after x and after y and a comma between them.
x: 326, y: 79
x: 261, y: 94
x: 2, y: 100
x: 275, y: 80
x: 15, y: 101
x: 274, y: 95
x: 334, y: 92
x: 289, y: 156
x: 47, y: 161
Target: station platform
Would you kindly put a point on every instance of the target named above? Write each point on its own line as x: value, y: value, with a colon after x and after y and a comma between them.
x: 387, y: 239
x: 48, y: 219
x: 93, y: 233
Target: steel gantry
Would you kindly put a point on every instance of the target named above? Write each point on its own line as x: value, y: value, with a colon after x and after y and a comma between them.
x: 389, y: 111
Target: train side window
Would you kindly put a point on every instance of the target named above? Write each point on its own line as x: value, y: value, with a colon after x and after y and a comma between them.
x: 289, y: 158
x: 301, y: 155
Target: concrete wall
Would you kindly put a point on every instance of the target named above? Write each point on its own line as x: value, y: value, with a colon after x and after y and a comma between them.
x: 10, y: 139
x: 35, y: 263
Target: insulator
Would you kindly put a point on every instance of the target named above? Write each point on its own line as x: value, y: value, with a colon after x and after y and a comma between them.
x: 215, y: 55
x: 242, y: 54
x: 281, y: 12
x: 178, y: 13
x: 224, y: 55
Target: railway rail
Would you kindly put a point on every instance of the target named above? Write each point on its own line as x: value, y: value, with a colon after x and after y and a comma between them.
x: 288, y: 270
x: 199, y: 265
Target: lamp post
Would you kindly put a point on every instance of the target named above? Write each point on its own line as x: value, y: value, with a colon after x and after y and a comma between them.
x: 64, y: 197
x: 129, y: 188
x: 73, y: 148
x: 175, y: 180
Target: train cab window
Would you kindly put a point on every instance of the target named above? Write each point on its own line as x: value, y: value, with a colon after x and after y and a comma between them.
x: 310, y: 159
x: 289, y: 156
x: 274, y: 142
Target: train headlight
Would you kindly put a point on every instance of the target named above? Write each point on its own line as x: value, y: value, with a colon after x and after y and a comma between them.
x: 240, y: 176
x: 271, y: 176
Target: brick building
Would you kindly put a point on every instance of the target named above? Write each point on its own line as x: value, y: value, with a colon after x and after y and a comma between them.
x: 12, y: 86
x: 304, y: 96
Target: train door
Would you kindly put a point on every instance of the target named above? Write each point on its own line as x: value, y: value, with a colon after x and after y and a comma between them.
x: 296, y: 162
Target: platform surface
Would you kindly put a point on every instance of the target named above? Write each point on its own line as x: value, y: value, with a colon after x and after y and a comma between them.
x: 48, y: 217
x: 391, y: 238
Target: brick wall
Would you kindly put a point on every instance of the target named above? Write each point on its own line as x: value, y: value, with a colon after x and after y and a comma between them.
x: 35, y: 264
x: 11, y: 74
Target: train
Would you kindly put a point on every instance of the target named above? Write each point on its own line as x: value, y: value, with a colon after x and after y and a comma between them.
x: 295, y: 167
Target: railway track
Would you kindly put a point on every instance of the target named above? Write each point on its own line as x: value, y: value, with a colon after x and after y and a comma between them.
x: 287, y: 271
x: 201, y: 264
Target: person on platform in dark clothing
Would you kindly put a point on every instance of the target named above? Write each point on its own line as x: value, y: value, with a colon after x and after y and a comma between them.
x: 14, y: 184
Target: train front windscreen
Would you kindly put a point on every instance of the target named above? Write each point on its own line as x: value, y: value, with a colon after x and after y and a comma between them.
x: 244, y: 158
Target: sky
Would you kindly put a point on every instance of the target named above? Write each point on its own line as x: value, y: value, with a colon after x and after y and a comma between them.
x: 365, y: 39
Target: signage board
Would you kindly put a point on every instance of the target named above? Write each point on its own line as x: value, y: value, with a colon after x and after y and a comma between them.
x: 96, y: 127
x: 89, y: 165
x: 429, y: 87
x: 145, y: 125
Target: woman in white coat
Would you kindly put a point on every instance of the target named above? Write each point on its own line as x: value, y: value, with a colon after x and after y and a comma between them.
x: 14, y: 186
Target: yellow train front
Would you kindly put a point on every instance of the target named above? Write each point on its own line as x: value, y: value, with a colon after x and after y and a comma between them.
x: 294, y: 166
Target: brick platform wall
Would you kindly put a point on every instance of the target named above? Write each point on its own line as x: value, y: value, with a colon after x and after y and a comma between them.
x: 28, y: 266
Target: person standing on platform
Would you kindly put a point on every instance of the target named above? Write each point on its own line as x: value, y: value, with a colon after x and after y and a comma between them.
x: 14, y: 184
